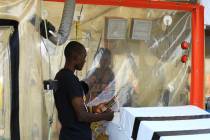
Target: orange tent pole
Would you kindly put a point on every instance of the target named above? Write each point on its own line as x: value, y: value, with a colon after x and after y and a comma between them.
x: 138, y: 3
x: 197, y: 73
x: 197, y: 76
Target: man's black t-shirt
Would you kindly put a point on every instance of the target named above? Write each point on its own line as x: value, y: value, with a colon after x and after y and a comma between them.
x: 68, y: 88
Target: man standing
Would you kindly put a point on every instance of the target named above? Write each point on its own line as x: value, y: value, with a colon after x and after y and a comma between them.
x: 69, y: 97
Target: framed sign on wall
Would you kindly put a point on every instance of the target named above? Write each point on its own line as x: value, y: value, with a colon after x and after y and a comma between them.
x: 140, y: 29
x: 116, y: 28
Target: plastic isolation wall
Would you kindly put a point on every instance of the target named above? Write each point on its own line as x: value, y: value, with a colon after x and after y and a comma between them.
x: 141, y: 72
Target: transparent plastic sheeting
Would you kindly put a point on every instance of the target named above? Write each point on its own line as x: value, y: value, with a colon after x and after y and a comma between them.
x: 31, y: 96
x: 35, y: 105
x: 32, y: 111
x: 145, y: 72
x: 134, y: 57
x: 5, y: 80
x: 140, y: 72
x: 17, y: 9
x: 52, y: 62
x: 136, y: 72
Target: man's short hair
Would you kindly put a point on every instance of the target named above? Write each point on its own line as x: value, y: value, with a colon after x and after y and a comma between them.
x: 73, y: 48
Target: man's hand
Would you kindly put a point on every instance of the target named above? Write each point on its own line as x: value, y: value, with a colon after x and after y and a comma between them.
x: 84, y: 116
x: 100, y: 108
x: 108, y: 115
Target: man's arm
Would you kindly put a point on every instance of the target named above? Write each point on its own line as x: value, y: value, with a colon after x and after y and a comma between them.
x: 84, y: 116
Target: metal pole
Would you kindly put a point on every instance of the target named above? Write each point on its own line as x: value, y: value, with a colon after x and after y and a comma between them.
x: 138, y: 3
x: 197, y: 76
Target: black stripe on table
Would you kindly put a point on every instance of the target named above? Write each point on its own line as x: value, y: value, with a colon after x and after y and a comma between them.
x: 138, y: 120
x: 157, y: 135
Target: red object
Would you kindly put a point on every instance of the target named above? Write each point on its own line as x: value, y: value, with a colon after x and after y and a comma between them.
x: 55, y: 0
x: 138, y: 3
x: 197, y: 11
x: 197, y: 75
x: 184, y: 58
x: 185, y: 45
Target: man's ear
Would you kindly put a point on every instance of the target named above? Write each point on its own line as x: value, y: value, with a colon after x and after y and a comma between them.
x: 76, y: 58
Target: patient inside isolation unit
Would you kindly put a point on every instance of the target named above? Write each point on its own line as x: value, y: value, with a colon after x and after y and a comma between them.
x: 99, y: 78
x: 106, y: 87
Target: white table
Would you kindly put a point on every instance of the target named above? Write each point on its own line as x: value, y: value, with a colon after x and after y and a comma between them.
x: 115, y: 131
x: 148, y: 128
x: 121, y: 127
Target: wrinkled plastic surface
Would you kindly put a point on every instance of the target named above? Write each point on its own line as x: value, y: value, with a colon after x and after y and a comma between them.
x: 143, y: 72
x: 17, y: 9
x: 139, y: 73
x: 5, y: 80
x: 32, y: 113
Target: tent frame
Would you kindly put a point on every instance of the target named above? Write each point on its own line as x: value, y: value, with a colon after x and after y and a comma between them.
x: 197, y: 11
